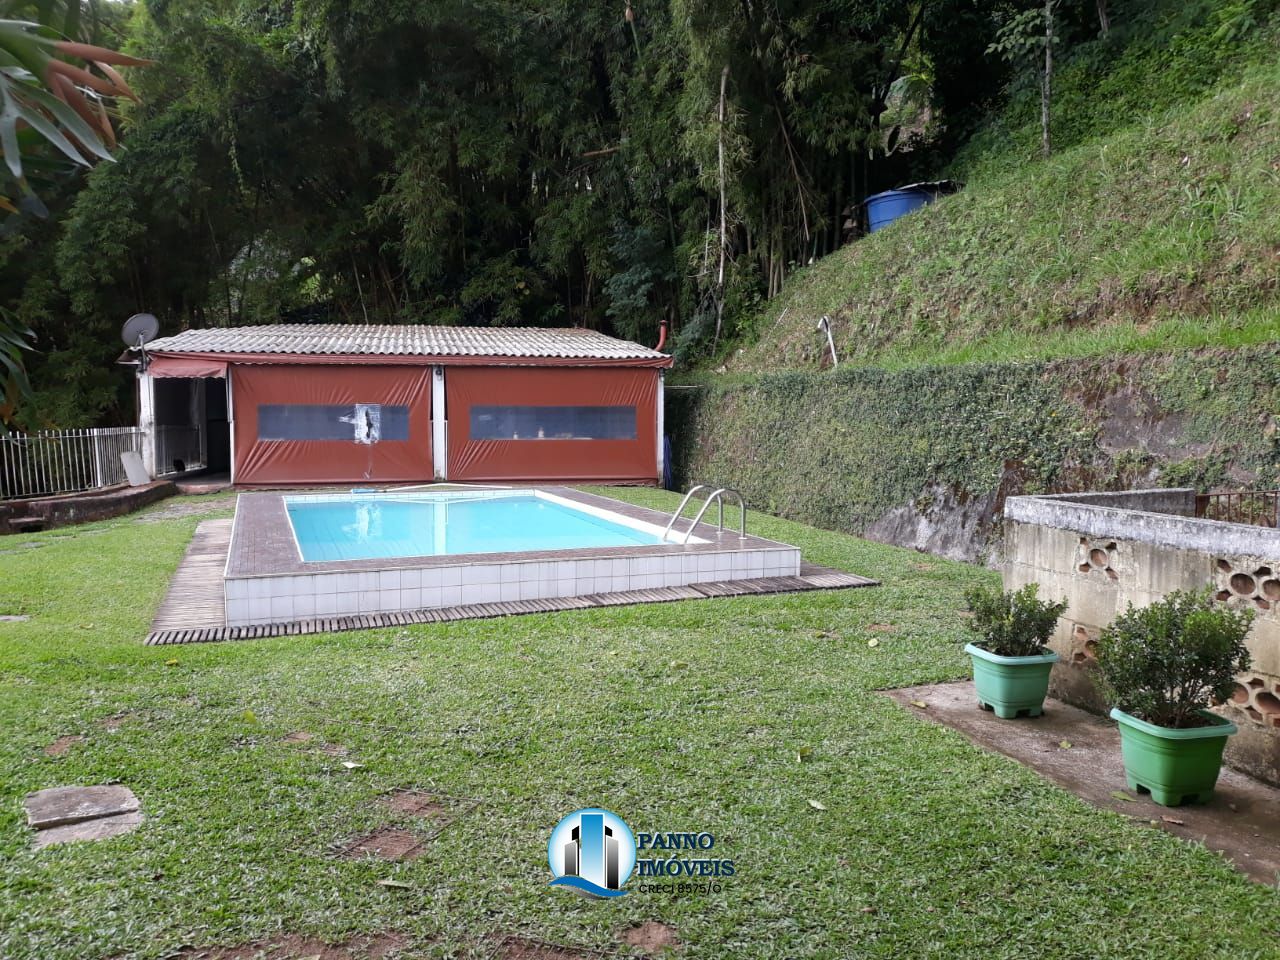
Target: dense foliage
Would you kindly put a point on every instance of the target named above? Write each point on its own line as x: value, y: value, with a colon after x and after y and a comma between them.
x: 480, y: 162
x: 1165, y: 662
x: 1012, y: 623
x: 555, y: 162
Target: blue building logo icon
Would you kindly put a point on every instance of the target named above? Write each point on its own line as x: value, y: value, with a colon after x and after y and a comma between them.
x: 592, y: 852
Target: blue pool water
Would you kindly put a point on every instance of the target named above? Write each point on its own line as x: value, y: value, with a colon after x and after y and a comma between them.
x: 366, y: 527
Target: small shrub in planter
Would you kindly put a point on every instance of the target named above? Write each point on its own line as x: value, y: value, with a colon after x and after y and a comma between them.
x: 1011, y: 663
x: 1163, y: 666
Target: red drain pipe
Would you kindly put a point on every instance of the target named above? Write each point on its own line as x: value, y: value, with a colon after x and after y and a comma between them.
x: 662, y: 335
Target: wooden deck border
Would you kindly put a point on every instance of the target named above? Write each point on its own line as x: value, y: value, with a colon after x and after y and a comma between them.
x: 193, y: 612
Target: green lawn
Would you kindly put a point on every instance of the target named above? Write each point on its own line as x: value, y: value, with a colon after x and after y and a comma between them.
x: 687, y: 716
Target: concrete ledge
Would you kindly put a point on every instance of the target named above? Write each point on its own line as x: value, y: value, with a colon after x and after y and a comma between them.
x: 1102, y: 552
x: 63, y: 511
x: 1138, y: 515
x: 1177, y: 501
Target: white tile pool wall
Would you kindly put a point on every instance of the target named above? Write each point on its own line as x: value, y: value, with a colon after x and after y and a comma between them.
x: 275, y: 599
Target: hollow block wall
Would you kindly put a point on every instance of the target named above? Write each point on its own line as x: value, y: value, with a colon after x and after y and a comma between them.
x: 1099, y: 575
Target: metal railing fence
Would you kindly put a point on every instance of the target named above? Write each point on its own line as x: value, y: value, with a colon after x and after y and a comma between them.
x: 64, y: 461
x: 1260, y: 508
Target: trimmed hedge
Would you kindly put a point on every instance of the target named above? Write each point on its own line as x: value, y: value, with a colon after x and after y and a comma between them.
x: 840, y: 449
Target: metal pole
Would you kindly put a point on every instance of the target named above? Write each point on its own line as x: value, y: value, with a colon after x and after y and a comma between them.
x: 43, y: 482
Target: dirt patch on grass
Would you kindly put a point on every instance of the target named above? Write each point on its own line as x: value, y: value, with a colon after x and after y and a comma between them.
x: 298, y: 736
x: 415, y: 803
x: 519, y: 948
x: 295, y: 947
x: 651, y: 937
x: 177, y: 508
x: 116, y: 721
x: 386, y: 844
x: 882, y: 628
x: 334, y: 749
x: 63, y: 744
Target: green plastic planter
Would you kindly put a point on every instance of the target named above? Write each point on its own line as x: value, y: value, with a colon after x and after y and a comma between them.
x: 1011, y: 685
x: 1174, y: 766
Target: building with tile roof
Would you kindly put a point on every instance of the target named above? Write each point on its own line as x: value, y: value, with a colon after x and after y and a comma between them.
x: 295, y: 404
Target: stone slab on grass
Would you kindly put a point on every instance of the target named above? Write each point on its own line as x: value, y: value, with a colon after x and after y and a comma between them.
x: 1080, y: 752
x: 98, y: 829
x: 59, y: 806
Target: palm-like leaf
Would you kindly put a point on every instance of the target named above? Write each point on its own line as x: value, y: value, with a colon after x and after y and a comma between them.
x: 15, y: 339
x: 59, y: 100
x: 50, y: 109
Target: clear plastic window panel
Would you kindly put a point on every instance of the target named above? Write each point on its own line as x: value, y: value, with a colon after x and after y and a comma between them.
x: 553, y: 423
x: 352, y: 422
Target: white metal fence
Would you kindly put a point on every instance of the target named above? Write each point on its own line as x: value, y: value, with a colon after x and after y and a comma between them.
x: 64, y: 461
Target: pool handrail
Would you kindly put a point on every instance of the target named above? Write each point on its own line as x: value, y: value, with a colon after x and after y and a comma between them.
x: 680, y: 509
x: 717, y: 495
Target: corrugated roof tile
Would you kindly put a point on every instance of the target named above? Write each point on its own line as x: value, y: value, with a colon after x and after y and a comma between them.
x: 406, y: 340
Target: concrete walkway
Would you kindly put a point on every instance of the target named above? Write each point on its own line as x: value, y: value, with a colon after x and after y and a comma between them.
x: 194, y: 600
x: 1242, y: 821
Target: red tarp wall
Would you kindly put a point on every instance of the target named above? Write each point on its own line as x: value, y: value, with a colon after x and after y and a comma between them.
x: 552, y: 459
x: 331, y: 461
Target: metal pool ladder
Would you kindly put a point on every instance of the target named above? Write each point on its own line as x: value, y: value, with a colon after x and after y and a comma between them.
x: 716, y: 496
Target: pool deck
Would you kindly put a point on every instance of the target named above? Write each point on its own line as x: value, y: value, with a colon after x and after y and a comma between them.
x: 193, y: 610
x: 268, y: 582
x: 263, y: 545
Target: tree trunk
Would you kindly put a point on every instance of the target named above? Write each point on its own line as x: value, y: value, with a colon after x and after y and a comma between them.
x: 1104, y: 19
x: 355, y: 271
x: 724, y: 230
x: 1046, y: 81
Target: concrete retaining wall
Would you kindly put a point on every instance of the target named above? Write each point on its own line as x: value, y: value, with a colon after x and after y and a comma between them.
x: 49, y: 512
x: 1102, y: 552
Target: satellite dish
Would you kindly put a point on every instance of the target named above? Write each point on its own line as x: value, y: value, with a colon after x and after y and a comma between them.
x: 139, y: 329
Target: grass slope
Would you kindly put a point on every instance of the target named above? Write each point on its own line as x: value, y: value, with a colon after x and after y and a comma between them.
x: 1158, y: 235
x: 680, y: 717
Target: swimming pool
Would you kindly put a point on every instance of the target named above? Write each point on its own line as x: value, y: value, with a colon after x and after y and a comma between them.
x: 367, y: 526
x: 314, y: 557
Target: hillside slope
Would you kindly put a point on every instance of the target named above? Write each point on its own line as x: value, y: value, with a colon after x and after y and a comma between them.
x: 1163, y: 233
x: 1103, y: 319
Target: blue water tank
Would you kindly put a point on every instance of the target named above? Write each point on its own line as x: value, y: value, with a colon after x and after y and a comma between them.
x: 884, y: 208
